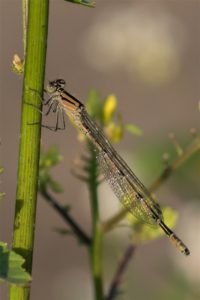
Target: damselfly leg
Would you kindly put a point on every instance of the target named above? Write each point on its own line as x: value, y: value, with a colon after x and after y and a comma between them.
x: 53, y: 106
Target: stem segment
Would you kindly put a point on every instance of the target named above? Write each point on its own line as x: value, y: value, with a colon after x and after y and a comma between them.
x: 28, y: 166
x: 96, y: 248
x: 187, y: 153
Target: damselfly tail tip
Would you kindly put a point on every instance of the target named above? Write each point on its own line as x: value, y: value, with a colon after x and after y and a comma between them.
x: 183, y: 248
x: 179, y: 244
x: 186, y: 251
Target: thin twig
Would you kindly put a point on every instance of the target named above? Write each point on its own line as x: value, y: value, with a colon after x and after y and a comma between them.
x: 117, y: 279
x: 67, y: 218
x: 178, y: 162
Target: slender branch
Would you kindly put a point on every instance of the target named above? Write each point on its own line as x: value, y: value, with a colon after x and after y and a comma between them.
x: 117, y: 279
x: 177, y: 163
x: 67, y: 218
x: 28, y: 165
x: 96, y: 248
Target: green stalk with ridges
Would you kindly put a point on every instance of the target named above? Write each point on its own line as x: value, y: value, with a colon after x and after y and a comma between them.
x: 97, y: 236
x: 28, y: 165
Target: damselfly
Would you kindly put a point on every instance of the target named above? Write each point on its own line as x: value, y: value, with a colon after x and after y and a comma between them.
x: 127, y: 187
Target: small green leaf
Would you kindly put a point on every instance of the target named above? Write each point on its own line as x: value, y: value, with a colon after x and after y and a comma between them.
x: 1, y: 170
x: 94, y: 104
x: 133, y: 129
x: 11, y: 269
x: 47, y: 161
x: 89, y: 3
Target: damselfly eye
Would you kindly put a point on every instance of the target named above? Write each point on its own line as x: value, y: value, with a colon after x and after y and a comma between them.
x: 56, y: 85
x: 60, y: 82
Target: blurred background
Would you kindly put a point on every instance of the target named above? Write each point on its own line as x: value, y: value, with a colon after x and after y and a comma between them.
x: 147, y: 53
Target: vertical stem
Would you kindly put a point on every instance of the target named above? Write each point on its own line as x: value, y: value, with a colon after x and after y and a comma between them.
x: 96, y: 248
x: 28, y: 166
x: 24, y: 22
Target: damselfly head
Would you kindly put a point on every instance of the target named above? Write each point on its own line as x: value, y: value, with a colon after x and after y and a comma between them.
x: 55, y: 85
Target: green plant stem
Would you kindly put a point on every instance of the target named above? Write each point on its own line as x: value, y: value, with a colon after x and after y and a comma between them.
x: 24, y: 22
x: 28, y: 166
x: 96, y: 247
x: 177, y: 163
x: 81, y: 235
